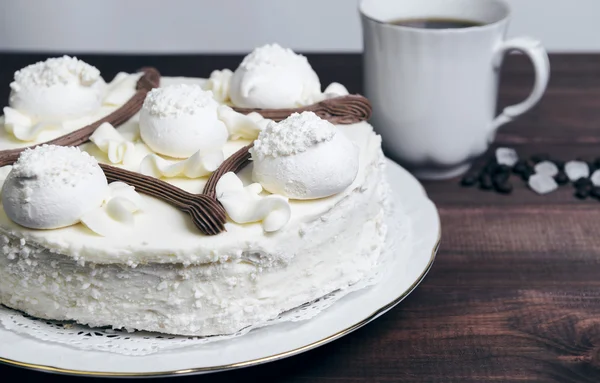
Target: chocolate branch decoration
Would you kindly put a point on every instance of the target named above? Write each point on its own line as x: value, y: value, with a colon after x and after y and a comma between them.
x: 345, y: 110
x: 150, y: 79
x: 236, y: 162
x: 206, y: 212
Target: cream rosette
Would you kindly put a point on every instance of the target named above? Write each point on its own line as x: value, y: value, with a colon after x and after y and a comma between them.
x: 304, y: 157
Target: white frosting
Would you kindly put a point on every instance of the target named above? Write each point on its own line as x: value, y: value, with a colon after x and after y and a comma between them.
x: 274, y: 77
x: 200, y: 164
x: 335, y: 89
x: 110, y: 141
x: 244, y: 204
x: 57, y: 88
x: 52, y: 186
x: 179, y: 120
x: 219, y: 82
x: 23, y: 127
x: 4, y: 172
x: 240, y: 125
x: 115, y: 216
x: 304, y: 157
x: 121, y: 88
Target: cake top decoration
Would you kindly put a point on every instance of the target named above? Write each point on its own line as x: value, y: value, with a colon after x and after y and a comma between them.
x: 276, y: 82
x: 245, y: 204
x: 179, y: 120
x: 274, y: 77
x: 304, y: 157
x: 177, y: 100
x: 52, y: 186
x: 272, y: 56
x: 150, y: 79
x: 50, y: 164
x: 57, y: 89
x: 295, y: 134
x: 54, y: 71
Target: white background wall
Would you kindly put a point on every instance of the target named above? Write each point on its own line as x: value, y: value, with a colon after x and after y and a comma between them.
x: 189, y: 26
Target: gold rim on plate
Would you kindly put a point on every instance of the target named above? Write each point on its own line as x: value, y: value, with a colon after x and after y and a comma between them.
x: 247, y: 363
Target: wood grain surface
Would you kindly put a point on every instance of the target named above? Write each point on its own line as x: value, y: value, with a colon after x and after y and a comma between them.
x: 514, y: 295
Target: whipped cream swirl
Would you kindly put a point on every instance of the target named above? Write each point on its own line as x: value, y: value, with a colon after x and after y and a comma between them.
x: 245, y: 204
x: 52, y: 186
x: 179, y: 120
x: 274, y: 77
x: 54, y: 90
x: 304, y: 157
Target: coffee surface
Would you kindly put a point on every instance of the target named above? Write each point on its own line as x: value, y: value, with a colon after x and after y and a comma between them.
x: 435, y: 23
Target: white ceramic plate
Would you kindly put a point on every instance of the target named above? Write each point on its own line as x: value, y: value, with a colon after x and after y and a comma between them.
x: 268, y: 344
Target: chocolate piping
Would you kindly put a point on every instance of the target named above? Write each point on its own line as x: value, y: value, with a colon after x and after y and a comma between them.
x: 149, y: 80
x: 236, y: 162
x: 345, y: 110
x: 206, y: 212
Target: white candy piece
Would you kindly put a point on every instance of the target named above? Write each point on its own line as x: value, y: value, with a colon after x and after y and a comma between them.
x: 542, y: 183
x: 116, y: 216
x: 199, y: 165
x: 506, y: 156
x: 57, y: 89
x: 245, y: 205
x: 179, y: 120
x: 111, y: 142
x: 274, y: 77
x: 53, y: 186
x: 595, y: 178
x: 219, y: 83
x: 547, y: 168
x: 576, y: 170
x: 304, y: 157
x: 242, y: 126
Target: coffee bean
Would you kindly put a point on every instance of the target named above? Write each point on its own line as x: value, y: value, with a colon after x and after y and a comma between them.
x: 561, y: 178
x: 500, y: 177
x: 583, y: 183
x: 469, y: 180
x: 520, y: 167
x: 559, y: 164
x: 539, y: 158
x: 582, y: 193
x: 490, y: 167
x: 502, y: 169
x: 595, y: 192
x: 485, y: 182
x: 526, y: 174
x: 503, y: 188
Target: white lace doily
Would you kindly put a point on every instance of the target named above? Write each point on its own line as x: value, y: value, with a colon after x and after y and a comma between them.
x: 141, y: 343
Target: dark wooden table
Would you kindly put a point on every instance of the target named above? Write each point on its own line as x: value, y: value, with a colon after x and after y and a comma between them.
x: 514, y: 294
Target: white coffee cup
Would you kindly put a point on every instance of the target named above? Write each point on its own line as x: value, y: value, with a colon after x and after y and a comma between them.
x: 434, y: 91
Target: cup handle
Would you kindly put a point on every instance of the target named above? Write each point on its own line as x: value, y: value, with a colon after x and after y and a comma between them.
x: 539, y: 58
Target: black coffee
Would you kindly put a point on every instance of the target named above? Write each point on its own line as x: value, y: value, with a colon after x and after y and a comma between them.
x: 434, y: 23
